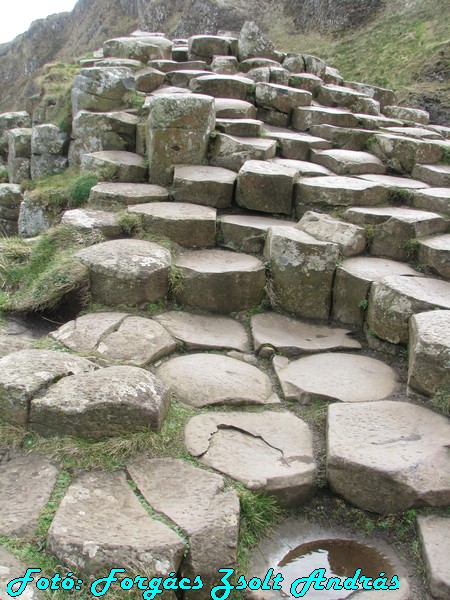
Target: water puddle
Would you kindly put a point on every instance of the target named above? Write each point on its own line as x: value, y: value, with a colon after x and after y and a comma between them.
x: 340, y: 558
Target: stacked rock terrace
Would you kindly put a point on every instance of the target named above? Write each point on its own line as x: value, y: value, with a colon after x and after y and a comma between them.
x: 277, y: 182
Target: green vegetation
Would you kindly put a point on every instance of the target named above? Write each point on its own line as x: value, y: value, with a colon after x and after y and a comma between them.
x: 363, y: 304
x: 400, y: 197
x: 80, y: 190
x: 445, y: 156
x: 4, y: 178
x: 441, y: 402
x: 412, y: 248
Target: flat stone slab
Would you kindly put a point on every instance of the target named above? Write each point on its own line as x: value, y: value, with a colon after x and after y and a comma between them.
x: 394, y: 299
x: 222, y: 86
x: 434, y: 253
x: 205, y: 332
x: 401, y: 153
x: 127, y: 271
x: 229, y: 108
x: 293, y: 145
x: 281, y: 97
x: 392, y: 181
x: 231, y: 152
x: 10, y: 344
x: 240, y: 127
x: 388, y: 456
x: 435, y: 199
x: 12, y: 568
x: 123, y: 194
x: 84, y: 333
x: 429, y: 352
x: 265, y: 187
x: 198, y: 502
x: 303, y: 118
x: 335, y: 376
x: 201, y: 184
x: 88, y: 219
x: 188, y: 225
x: 220, y: 281
x: 26, y: 484
x: 107, y: 403
x: 26, y: 373
x: 349, y: 162
x: 351, y: 239
x: 434, y: 534
x: 115, y: 165
x: 247, y: 233
x: 81, y: 535
x: 274, y: 332
x: 269, y: 452
x: 437, y: 175
x: 302, y: 168
x: 209, y: 379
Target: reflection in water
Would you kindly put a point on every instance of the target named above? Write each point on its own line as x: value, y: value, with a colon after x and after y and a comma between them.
x: 339, y: 558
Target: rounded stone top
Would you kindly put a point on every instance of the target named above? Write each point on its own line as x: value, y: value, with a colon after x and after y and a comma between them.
x: 129, y: 256
x: 218, y: 261
x: 373, y: 269
x: 424, y: 289
x: 337, y: 182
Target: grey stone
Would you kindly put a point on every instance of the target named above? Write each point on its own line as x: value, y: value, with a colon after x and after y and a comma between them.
x: 47, y: 164
x: 106, y: 403
x: 250, y: 64
x: 87, y: 219
x: 12, y: 568
x: 219, y: 281
x: 314, y: 65
x: 26, y: 373
x: 349, y: 162
x: 188, y: 225
x: 393, y: 300
x: 269, y: 452
x: 199, y: 504
x: 128, y: 63
x: 415, y: 132
x: 182, y: 79
x: 47, y: 139
x: 351, y: 239
x: 81, y: 535
x: 333, y: 76
x: 266, y: 187
x: 434, y: 253
x: 295, y: 63
x: 26, y: 484
x: 335, y: 376
x: 83, y: 334
x: 393, y: 182
x: 280, y: 333
x: 11, y: 120
x: 302, y: 271
x: 435, y: 199
x: 295, y: 146
x: 222, y: 86
x: 225, y: 65
x: 401, y: 153
x: 229, y: 108
x: 240, y: 127
x: 207, y: 46
x: 254, y: 43
x: 143, y: 49
x: 231, y: 152
x: 108, y: 195
x: 148, y: 80
x: 34, y: 216
x: 303, y: 118
x: 273, y: 117
x: 434, y: 534
x: 407, y: 114
x: 127, y: 271
x: 388, y: 456
x: 302, y: 168
x: 281, y: 97
x: 205, y: 332
x: 343, y: 137
x: 101, y: 89
x: 208, y: 186
x: 19, y: 153
x: 436, y: 175
x: 115, y: 165
x: 305, y: 81
x: 383, y: 96
x: 339, y: 96
x: 10, y: 344
x: 208, y: 379
x: 11, y: 198
x: 178, y: 133
x: 247, y: 233
x: 429, y: 352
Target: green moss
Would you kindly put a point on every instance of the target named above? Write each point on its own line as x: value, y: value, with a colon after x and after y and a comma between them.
x: 400, y: 197
x: 441, y: 401
x: 4, y: 178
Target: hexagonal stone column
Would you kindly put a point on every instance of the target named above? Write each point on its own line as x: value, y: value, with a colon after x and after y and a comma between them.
x: 434, y: 534
x: 434, y: 253
x: 178, y: 127
x: 429, y: 352
x: 220, y: 281
x: 127, y: 271
x: 199, y: 184
x: 265, y: 186
x: 302, y: 271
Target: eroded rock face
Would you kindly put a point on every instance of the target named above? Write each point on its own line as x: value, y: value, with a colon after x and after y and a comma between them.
x: 101, y: 89
x: 269, y: 451
x: 254, y: 43
x: 351, y: 239
x: 388, y: 456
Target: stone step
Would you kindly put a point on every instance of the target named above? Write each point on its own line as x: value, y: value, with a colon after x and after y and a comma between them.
x: 302, y: 168
x: 415, y: 132
x: 306, y: 81
x: 188, y: 225
x: 335, y: 376
x: 12, y: 568
x: 394, y: 182
x: 265, y: 187
x: 11, y: 198
x: 281, y: 97
x: 148, y: 80
x: 394, y: 227
x: 130, y: 272
x: 165, y: 66
x: 435, y: 199
x: 231, y: 152
x: 225, y: 65
x: 227, y: 108
x: 127, y: 63
x: 83, y: 522
x: 139, y: 48
x: 401, y: 154
x: 407, y: 114
x: 429, y: 353
x: 342, y: 97
x: 398, y: 460
x: 220, y: 281
x: 117, y: 166
x: 208, y: 186
x: 343, y: 137
x: 182, y: 79
x: 376, y: 121
x: 201, y: 380
x: 296, y: 146
x: 207, y: 46
x: 394, y: 299
x: 350, y: 239
x: 240, y: 127
x: 247, y: 233
x: 434, y: 253
x: 314, y: 192
x: 87, y: 219
x: 257, y: 62
x: 383, y: 96
x: 109, y: 195
x: 352, y: 283
x: 348, y: 162
x: 223, y: 86
x: 435, y: 175
x: 434, y: 535
x: 101, y: 89
x: 269, y: 452
x: 304, y: 118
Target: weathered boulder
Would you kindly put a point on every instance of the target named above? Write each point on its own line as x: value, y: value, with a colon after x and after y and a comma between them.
x: 345, y: 138
x: 407, y: 114
x: 434, y: 253
x: 48, y: 146
x: 229, y: 108
x: 305, y: 81
x: 393, y: 300
x: 24, y: 374
x: 394, y: 182
x: 222, y: 86
x: 142, y: 49
x: 302, y: 271
x: 182, y: 79
x: 11, y: 120
x: 296, y: 146
x: 26, y: 484
x: 110, y: 195
x: 84, y: 333
x: 225, y: 65
x: 205, y: 47
x: 253, y: 43
x: 81, y: 535
x: 231, y: 152
x: 401, y: 153
x: 101, y: 89
x: 429, y: 352
x: 349, y: 162
x: 106, y: 403
x: 274, y: 332
x: 314, y: 65
x: 178, y: 129
x: 148, y: 80
x: 351, y: 239
x: 434, y: 534
x: 127, y: 271
x: 250, y: 64
x: 209, y: 379
x: 303, y: 118
x: 388, y: 456
x: 247, y: 233
x: 339, y: 96
x: 116, y: 165
x: 265, y: 186
x: 220, y: 281
x: 198, y: 502
x: 240, y: 127
x: 335, y: 376
x: 209, y: 186
x: 280, y: 97
x: 436, y: 175
x: 384, y: 96
x: 302, y: 168
x: 269, y: 452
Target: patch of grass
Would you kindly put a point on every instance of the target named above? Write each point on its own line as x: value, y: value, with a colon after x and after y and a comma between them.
x: 130, y: 223
x: 54, y: 104
x: 445, y: 160
x: 175, y: 281
x: 412, y: 249
x: 370, y: 234
x: 135, y: 99
x: 80, y: 190
x: 400, y: 197
x: 4, y: 177
x: 441, y: 401
x: 363, y: 304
